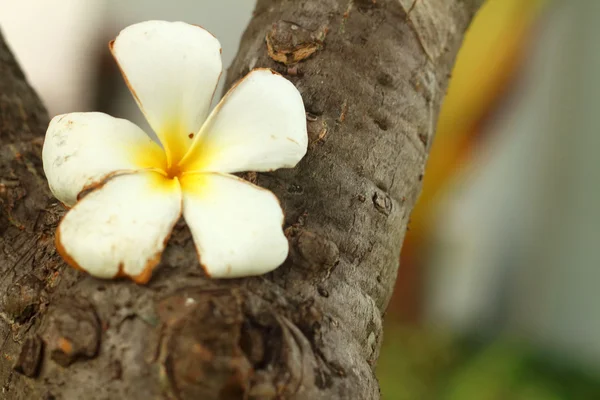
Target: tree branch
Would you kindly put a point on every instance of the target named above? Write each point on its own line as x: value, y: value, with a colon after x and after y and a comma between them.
x: 372, y: 75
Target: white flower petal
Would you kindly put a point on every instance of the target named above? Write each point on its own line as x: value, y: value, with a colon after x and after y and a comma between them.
x: 81, y: 149
x: 121, y: 228
x: 259, y: 125
x: 236, y: 226
x: 172, y: 70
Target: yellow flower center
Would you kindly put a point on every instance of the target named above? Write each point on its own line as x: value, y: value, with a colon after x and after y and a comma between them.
x: 177, y: 155
x: 173, y: 171
x: 176, y: 143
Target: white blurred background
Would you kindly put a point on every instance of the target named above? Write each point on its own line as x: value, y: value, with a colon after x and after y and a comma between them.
x: 63, y: 45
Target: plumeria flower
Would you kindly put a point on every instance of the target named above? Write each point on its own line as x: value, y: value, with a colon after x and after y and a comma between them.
x: 127, y: 192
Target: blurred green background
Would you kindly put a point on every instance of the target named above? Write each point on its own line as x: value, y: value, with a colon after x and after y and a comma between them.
x: 421, y: 363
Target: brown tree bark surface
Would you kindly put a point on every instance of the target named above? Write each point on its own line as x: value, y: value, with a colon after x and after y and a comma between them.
x: 372, y: 74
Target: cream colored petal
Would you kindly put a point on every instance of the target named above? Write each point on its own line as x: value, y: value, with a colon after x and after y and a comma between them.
x: 81, y: 149
x: 172, y: 70
x: 122, y: 227
x: 236, y: 226
x: 260, y: 125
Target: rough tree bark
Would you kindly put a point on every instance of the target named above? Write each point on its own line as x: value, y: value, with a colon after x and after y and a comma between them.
x: 372, y: 74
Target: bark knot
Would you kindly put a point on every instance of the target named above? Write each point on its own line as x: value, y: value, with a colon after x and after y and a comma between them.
x: 310, y: 251
x: 289, y: 43
x: 200, y: 352
x: 383, y: 203
x: 72, y: 331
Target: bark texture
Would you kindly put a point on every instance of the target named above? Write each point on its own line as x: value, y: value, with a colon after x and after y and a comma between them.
x: 372, y: 74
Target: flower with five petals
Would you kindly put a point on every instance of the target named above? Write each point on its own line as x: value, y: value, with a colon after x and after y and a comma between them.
x: 127, y: 192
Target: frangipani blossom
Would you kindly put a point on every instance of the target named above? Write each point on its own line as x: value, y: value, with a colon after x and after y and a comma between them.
x: 127, y: 192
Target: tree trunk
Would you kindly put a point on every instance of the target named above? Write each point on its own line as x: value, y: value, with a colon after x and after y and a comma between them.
x: 372, y: 74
